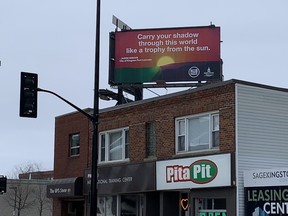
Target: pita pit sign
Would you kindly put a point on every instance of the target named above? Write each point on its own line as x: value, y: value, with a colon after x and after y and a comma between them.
x: 210, y: 171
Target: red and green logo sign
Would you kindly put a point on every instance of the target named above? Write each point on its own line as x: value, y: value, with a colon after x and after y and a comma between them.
x: 203, y: 171
x: 199, y: 172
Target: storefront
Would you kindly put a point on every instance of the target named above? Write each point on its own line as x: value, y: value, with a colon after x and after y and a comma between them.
x: 199, y: 186
x: 266, y: 192
x: 69, y: 192
x: 125, y: 190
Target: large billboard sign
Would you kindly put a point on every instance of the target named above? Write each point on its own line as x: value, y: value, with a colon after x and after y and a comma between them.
x: 170, y: 55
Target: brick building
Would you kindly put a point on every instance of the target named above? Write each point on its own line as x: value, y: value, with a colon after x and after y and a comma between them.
x: 179, y: 154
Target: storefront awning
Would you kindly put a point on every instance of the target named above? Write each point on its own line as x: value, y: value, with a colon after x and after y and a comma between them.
x: 130, y: 178
x: 67, y: 187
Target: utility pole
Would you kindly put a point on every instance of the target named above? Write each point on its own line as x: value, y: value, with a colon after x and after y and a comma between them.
x: 93, y: 193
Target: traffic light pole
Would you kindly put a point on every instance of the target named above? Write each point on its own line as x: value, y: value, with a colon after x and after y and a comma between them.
x: 28, y: 108
x: 93, y: 193
x: 90, y: 117
x: 94, y: 119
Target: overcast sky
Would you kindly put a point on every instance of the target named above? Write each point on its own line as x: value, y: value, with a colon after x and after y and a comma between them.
x: 56, y: 39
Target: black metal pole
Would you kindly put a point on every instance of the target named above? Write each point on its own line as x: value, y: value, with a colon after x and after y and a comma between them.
x: 90, y: 117
x: 93, y: 193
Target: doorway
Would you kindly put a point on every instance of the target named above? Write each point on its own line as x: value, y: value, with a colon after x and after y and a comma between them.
x: 75, y: 208
x: 132, y: 205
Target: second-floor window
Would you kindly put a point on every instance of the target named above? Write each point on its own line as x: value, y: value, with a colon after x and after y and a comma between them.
x: 150, y: 139
x: 74, y: 145
x: 113, y: 145
x: 199, y: 132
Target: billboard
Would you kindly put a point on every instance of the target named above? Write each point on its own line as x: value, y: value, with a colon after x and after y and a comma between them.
x: 170, y: 55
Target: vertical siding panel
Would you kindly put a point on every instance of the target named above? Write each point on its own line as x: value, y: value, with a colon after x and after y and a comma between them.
x: 262, y: 131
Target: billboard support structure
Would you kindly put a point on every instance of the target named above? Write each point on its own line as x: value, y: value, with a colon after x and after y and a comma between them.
x: 120, y: 24
x: 136, y: 91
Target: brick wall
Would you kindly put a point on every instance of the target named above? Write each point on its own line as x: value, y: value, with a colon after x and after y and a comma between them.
x: 135, y: 116
x: 164, y: 112
x: 64, y: 165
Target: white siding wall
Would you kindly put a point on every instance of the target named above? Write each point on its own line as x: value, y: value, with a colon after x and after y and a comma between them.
x: 261, y: 132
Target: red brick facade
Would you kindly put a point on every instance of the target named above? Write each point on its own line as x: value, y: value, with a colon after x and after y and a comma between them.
x: 162, y: 110
x: 135, y: 116
x: 65, y: 166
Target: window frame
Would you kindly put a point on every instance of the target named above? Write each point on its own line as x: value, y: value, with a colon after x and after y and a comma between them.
x: 150, y: 133
x: 185, y: 133
x: 103, y: 148
x: 72, y: 147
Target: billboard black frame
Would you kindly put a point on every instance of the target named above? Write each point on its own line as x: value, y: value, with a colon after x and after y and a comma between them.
x: 162, y: 83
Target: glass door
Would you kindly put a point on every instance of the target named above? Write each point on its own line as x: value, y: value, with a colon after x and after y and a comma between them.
x: 184, y: 204
x: 132, y: 205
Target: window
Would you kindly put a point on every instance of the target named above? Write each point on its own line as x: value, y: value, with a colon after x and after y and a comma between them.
x: 196, y: 133
x: 114, y: 145
x: 215, y: 130
x: 106, y: 206
x: 210, y: 206
x: 150, y: 139
x: 132, y: 205
x: 125, y: 205
x: 74, y: 145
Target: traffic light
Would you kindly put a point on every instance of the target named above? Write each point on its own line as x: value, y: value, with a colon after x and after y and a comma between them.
x: 3, y: 184
x: 28, y: 95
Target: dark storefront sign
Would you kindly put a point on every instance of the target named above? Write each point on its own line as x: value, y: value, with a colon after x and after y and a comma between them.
x: 68, y: 187
x: 123, y: 179
x: 266, y: 192
x: 266, y: 201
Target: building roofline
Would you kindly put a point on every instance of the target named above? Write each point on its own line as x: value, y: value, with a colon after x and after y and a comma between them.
x: 192, y: 90
x: 175, y: 94
x: 88, y: 110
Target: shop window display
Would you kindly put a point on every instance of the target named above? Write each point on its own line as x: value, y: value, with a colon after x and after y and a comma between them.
x: 210, y: 207
x: 107, y: 206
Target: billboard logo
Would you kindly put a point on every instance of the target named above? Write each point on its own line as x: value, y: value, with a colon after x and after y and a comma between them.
x: 200, y: 172
x: 194, y: 72
x: 208, y: 73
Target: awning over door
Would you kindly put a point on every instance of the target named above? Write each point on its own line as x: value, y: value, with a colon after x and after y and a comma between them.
x: 67, y: 187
